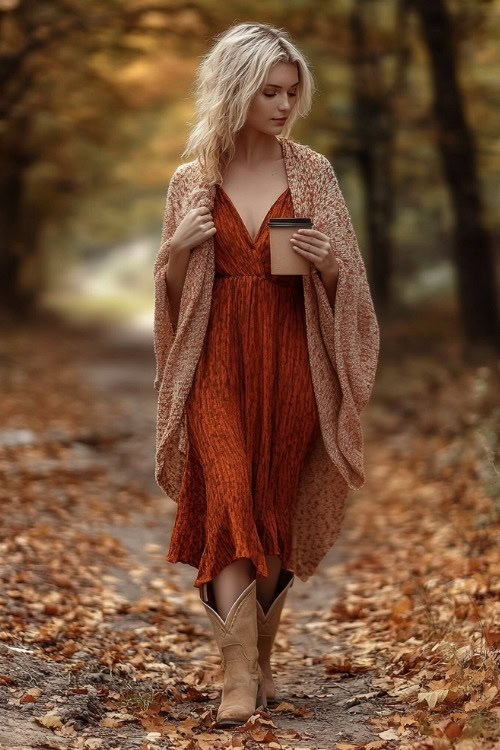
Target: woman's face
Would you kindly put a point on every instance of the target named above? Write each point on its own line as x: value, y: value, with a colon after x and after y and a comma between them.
x: 275, y: 99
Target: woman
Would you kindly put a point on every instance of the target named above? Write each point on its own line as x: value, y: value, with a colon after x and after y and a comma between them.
x: 261, y: 377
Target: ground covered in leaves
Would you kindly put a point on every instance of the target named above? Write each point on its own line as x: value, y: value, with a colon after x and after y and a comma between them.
x: 394, y: 643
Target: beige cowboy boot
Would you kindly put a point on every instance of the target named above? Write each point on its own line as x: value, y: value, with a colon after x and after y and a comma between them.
x: 236, y: 638
x: 267, y: 625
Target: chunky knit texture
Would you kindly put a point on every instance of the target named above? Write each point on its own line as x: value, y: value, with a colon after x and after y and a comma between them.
x: 343, y: 348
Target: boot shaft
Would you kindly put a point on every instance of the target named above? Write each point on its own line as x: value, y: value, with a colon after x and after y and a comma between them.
x: 236, y: 638
x: 239, y: 629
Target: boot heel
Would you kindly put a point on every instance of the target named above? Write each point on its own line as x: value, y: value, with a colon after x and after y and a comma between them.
x: 261, y: 699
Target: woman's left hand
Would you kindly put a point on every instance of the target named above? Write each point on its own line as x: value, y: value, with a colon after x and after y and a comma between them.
x: 316, y: 247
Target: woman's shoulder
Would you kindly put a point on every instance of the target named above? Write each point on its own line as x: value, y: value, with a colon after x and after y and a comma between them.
x: 183, y: 177
x: 307, y: 154
x: 184, y: 172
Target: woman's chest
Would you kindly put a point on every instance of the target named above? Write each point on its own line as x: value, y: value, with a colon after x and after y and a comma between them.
x: 253, y: 206
x: 253, y: 193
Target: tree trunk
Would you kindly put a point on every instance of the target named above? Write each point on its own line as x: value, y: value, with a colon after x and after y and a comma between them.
x: 472, y: 243
x: 17, y: 245
x: 372, y: 120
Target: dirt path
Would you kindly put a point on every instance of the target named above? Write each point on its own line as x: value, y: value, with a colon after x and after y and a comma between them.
x: 328, y: 710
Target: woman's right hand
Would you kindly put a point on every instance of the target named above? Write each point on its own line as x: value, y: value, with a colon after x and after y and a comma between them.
x: 196, y: 227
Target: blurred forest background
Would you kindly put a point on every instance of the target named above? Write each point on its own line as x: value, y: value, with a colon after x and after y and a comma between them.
x: 96, y: 632
x: 95, y: 104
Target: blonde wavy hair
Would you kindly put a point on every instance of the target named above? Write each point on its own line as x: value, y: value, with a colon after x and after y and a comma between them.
x: 228, y: 77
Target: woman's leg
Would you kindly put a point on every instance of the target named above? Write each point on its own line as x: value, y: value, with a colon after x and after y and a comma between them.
x: 234, y: 579
x: 230, y: 582
x: 266, y: 587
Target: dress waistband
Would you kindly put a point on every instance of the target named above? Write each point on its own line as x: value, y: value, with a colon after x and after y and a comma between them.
x: 292, y: 282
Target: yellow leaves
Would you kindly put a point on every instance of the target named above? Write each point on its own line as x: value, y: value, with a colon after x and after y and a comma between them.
x: 452, y: 691
x: 49, y: 720
x: 432, y: 697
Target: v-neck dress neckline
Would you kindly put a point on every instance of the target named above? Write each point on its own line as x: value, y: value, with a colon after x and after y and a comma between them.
x: 255, y: 240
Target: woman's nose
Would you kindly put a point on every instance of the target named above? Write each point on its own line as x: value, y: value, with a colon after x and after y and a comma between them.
x: 284, y: 106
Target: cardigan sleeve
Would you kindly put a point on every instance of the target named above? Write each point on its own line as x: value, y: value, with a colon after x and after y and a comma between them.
x: 350, y: 331
x: 164, y: 332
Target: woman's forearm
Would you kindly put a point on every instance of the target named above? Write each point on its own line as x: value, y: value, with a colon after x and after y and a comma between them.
x: 175, y: 276
x: 329, y: 281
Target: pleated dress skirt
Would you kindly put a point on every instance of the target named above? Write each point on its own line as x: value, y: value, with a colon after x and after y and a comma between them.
x: 251, y: 410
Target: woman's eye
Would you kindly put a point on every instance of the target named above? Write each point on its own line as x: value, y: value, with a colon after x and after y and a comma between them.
x: 290, y: 94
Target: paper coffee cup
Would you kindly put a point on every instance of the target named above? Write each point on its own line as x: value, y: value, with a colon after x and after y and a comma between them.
x: 284, y: 259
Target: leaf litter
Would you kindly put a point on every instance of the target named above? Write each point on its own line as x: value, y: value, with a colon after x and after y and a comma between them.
x: 393, y: 643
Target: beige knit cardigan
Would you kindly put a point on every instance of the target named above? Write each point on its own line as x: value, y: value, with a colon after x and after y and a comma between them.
x: 343, y: 348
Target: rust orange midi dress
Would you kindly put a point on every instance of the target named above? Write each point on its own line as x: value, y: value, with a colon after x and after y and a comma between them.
x: 251, y: 410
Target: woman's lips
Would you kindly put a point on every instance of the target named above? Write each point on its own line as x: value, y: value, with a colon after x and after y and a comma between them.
x: 280, y: 119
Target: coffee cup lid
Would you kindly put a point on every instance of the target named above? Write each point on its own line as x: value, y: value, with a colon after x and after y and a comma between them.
x: 290, y: 222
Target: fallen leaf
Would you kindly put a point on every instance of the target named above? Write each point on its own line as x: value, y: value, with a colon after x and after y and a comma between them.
x: 432, y: 697
x: 389, y: 734
x: 49, y: 720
